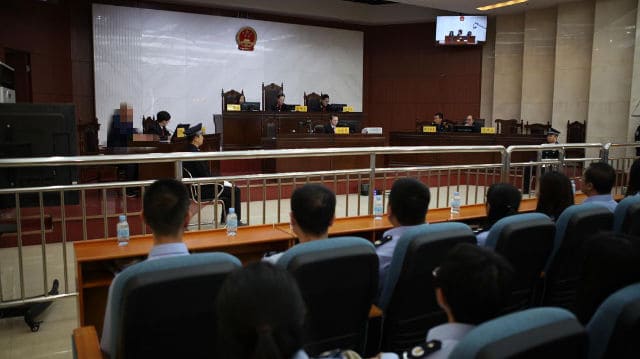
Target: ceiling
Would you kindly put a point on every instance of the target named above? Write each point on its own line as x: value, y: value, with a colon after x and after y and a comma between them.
x: 397, y: 12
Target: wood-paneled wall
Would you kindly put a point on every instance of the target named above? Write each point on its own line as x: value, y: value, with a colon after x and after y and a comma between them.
x: 408, y: 77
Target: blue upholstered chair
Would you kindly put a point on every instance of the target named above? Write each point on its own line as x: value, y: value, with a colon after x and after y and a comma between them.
x: 526, y: 241
x: 531, y: 333
x: 564, y: 267
x: 626, y: 218
x: 408, y: 298
x: 615, y: 328
x: 165, y: 307
x: 338, y: 278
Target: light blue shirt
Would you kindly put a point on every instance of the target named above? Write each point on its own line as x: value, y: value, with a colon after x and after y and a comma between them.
x: 158, y: 251
x: 603, y: 199
x: 273, y: 259
x: 385, y: 251
x: 482, y: 238
x: 449, y: 335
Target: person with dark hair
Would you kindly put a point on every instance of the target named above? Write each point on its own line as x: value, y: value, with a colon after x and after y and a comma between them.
x: 407, y: 207
x: 598, y: 182
x: 552, y: 139
x: 610, y: 263
x: 313, y: 208
x: 251, y: 326
x: 200, y: 169
x: 333, y: 123
x: 503, y: 200
x: 438, y: 122
x: 324, y: 103
x: 165, y: 208
x: 633, y: 188
x: 279, y: 106
x: 160, y: 127
x: 473, y: 285
x: 556, y: 194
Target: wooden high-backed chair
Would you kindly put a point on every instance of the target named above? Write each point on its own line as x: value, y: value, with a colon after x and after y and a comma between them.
x: 509, y: 127
x: 230, y: 97
x: 537, y: 128
x: 576, y: 133
x: 312, y: 101
x: 270, y: 95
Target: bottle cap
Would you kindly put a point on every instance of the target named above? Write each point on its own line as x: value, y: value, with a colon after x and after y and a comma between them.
x: 456, y: 193
x: 232, y: 210
x: 122, y: 218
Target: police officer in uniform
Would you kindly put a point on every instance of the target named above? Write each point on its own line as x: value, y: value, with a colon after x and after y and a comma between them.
x: 552, y: 139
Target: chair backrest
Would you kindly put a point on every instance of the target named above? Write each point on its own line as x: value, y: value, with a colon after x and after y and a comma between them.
x: 564, y: 267
x: 312, y: 101
x: 338, y: 278
x: 626, y: 218
x: 231, y: 97
x: 537, y: 128
x: 526, y: 241
x: 576, y: 132
x: 408, y: 297
x: 531, y: 333
x: 615, y: 328
x: 165, y: 307
x: 270, y: 95
x: 509, y: 127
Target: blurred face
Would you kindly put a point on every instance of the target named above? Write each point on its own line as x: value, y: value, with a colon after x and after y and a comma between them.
x: 437, y: 120
x: 163, y: 123
x: 334, y: 121
x: 552, y: 138
x: 280, y: 100
x: 198, y: 140
x: 241, y: 100
x: 469, y: 120
x: 325, y: 102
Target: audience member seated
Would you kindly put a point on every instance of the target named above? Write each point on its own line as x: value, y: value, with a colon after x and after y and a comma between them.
x: 165, y: 208
x: 313, y: 208
x: 200, y: 169
x: 160, y: 127
x: 473, y: 285
x: 502, y: 200
x: 261, y: 315
x: 599, y: 179
x: 633, y: 188
x: 610, y: 263
x: 556, y: 194
x: 407, y: 208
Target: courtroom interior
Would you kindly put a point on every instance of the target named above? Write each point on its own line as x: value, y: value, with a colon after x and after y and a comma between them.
x: 319, y: 179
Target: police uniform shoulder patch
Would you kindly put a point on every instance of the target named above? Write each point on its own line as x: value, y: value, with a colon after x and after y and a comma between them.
x: 383, y: 240
x: 423, y: 350
x: 269, y: 254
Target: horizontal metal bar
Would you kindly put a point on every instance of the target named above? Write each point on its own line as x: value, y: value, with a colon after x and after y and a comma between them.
x: 234, y: 155
x: 546, y: 147
x: 40, y: 299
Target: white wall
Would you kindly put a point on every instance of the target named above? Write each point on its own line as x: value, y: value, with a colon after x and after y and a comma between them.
x: 163, y: 60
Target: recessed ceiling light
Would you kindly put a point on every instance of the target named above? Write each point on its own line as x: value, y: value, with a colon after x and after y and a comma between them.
x: 500, y: 4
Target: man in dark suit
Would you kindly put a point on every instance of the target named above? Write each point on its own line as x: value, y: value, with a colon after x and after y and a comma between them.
x: 324, y: 103
x: 198, y: 169
x: 469, y: 122
x: 438, y: 122
x: 279, y: 106
x: 160, y: 127
x: 331, y: 126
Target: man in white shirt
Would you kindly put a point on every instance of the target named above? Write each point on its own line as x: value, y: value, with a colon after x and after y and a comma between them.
x: 165, y: 209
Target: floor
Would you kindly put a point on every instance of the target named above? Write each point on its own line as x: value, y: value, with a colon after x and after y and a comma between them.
x: 53, y: 340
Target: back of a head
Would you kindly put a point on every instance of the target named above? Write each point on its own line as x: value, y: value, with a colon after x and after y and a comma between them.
x: 163, y: 116
x: 166, y: 206
x: 409, y: 201
x: 610, y: 263
x: 556, y: 194
x: 313, y: 206
x: 601, y: 176
x: 504, y: 200
x: 476, y: 283
x: 634, y: 178
x: 260, y: 314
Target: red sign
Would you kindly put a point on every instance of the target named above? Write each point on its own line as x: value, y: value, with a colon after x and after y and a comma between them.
x: 246, y: 38
x: 461, y: 18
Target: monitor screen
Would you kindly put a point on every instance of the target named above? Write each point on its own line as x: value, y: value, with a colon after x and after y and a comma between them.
x: 461, y: 30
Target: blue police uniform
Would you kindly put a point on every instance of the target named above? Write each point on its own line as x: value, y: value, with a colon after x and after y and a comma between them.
x: 385, y: 248
x: 603, y: 199
x: 441, y: 340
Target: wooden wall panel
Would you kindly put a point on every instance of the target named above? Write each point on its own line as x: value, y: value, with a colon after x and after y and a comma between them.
x: 408, y: 77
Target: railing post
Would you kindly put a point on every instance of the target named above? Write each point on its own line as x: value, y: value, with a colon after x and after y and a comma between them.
x: 604, y: 152
x: 506, y: 163
x: 372, y: 180
x: 178, y: 170
x: 538, y: 172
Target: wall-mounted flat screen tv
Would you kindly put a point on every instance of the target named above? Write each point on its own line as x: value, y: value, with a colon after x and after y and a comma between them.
x: 461, y: 30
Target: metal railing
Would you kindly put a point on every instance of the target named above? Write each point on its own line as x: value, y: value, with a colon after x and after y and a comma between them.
x: 263, y: 195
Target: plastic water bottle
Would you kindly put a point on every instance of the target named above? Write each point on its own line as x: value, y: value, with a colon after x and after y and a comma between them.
x: 455, y: 203
x: 573, y: 187
x: 377, y: 205
x: 123, y: 231
x: 232, y: 222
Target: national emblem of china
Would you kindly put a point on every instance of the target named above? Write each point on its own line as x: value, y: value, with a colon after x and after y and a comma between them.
x: 246, y: 38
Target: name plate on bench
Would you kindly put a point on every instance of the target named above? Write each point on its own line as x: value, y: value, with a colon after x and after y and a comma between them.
x: 347, y: 108
x: 341, y: 131
x: 488, y: 130
x: 429, y: 129
x: 301, y: 108
x: 231, y: 107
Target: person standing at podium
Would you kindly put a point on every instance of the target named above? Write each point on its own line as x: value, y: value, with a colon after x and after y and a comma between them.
x: 199, y: 169
x: 279, y: 105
